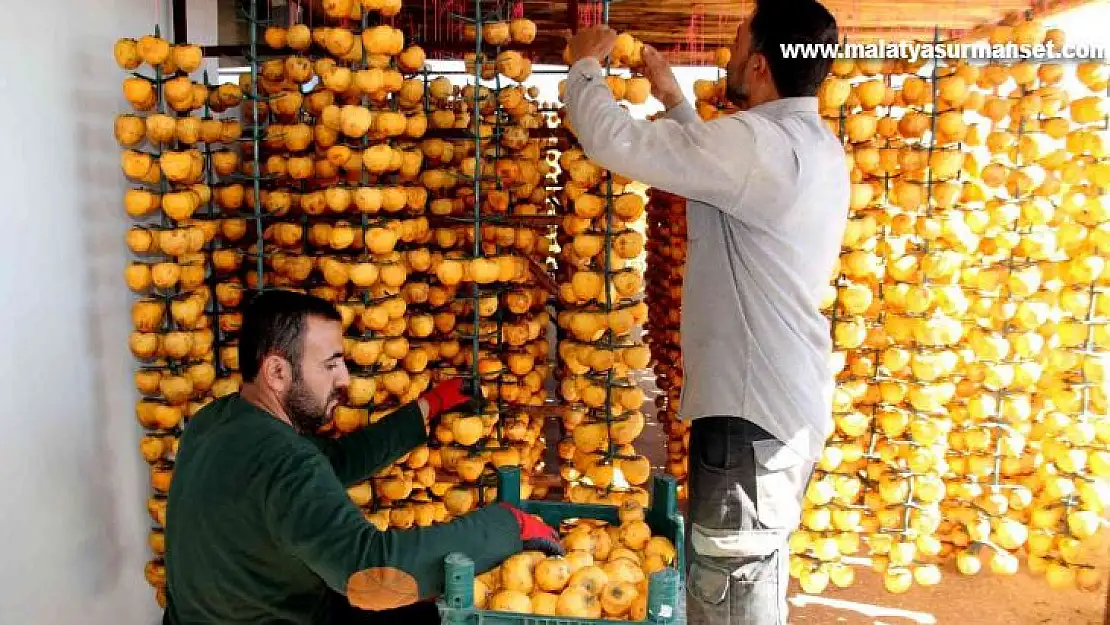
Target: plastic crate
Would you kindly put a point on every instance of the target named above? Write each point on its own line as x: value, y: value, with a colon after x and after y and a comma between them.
x: 457, y: 605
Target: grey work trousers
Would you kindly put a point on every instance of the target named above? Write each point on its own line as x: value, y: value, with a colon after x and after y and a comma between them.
x: 745, y: 498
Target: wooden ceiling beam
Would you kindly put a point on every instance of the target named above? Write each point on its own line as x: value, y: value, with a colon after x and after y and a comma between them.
x: 845, y: 21
x: 738, y: 10
x: 1040, y: 10
x: 665, y: 22
x: 647, y: 31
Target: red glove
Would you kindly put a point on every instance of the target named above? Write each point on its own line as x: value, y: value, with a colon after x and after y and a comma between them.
x: 445, y: 396
x: 536, y: 535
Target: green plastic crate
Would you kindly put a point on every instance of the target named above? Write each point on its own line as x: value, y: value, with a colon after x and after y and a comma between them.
x: 457, y: 605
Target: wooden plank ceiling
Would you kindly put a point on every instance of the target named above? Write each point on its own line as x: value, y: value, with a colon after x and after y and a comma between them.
x: 688, y: 30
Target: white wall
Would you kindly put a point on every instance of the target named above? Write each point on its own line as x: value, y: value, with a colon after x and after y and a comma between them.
x: 73, y: 487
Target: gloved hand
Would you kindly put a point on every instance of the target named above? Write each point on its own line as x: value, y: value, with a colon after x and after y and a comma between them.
x: 450, y: 394
x: 536, y: 534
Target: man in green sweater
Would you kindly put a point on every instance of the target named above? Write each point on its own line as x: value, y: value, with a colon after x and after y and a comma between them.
x: 260, y: 528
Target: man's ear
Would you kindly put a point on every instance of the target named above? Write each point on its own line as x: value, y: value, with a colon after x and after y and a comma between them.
x: 276, y: 373
x: 760, y: 64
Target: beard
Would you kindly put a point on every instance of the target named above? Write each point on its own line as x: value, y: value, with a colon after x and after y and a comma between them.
x: 307, y: 412
x: 737, y: 92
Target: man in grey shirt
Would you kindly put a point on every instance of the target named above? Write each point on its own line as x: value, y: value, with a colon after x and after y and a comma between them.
x: 767, y: 192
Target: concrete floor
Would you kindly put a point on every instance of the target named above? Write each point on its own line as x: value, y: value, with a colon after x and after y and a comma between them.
x: 985, y: 599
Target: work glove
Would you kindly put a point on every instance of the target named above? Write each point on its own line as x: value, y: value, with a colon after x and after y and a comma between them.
x: 451, y: 394
x: 536, y: 535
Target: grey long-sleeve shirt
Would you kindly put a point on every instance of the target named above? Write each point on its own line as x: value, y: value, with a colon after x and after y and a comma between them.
x: 768, y: 193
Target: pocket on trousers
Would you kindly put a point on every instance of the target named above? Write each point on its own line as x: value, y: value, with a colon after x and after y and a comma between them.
x: 708, y: 583
x: 750, y: 593
x: 713, y: 446
x: 757, y: 595
x: 780, y: 481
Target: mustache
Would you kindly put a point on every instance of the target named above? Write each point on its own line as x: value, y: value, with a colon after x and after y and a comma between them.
x: 307, y: 413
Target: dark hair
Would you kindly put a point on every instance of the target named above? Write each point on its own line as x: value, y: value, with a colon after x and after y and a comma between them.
x: 274, y: 323
x: 777, y: 22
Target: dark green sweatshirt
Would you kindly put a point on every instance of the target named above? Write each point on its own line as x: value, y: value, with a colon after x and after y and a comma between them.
x: 260, y: 529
